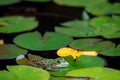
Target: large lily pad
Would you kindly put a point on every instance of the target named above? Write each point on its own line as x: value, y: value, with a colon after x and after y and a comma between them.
x: 7, y: 2
x: 24, y: 73
x: 91, y: 44
x: 34, y: 41
x: 76, y: 28
x: 13, y: 24
x: 105, y: 8
x: 96, y: 73
x: 11, y: 51
x: 28, y: 73
x: 112, y: 51
x: 108, y: 27
x: 78, y: 3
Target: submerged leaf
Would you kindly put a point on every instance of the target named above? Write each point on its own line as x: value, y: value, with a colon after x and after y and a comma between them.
x: 14, y: 24
x: 49, y: 41
x: 96, y: 73
x: 11, y: 51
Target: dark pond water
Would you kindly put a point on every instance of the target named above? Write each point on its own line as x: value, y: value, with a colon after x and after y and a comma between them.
x: 48, y: 15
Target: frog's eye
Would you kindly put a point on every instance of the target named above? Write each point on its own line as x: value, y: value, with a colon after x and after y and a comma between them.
x: 59, y: 61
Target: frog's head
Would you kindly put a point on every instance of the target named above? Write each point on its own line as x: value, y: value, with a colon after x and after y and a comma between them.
x: 58, y: 64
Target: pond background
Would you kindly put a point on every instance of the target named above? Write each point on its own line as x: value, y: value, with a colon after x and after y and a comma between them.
x: 49, y: 15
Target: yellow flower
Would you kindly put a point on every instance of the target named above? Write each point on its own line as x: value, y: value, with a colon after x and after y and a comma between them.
x: 66, y: 51
x: 1, y: 41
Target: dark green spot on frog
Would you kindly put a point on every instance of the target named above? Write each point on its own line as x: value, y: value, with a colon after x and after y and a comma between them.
x: 45, y: 63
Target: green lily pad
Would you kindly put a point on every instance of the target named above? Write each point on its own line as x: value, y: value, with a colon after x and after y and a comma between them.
x: 77, y: 3
x: 105, y: 8
x: 111, y: 51
x: 5, y: 75
x: 34, y: 41
x: 11, y: 51
x: 13, y: 24
x: 91, y: 44
x: 76, y: 28
x: 24, y: 73
x: 96, y: 73
x: 106, y: 26
x: 81, y: 62
x: 8, y: 2
x: 38, y: 0
x: 89, y: 61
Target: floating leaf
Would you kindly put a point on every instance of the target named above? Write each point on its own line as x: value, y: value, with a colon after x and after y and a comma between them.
x: 105, y: 8
x: 8, y: 2
x: 24, y: 73
x: 106, y: 26
x: 11, y: 51
x: 76, y: 28
x: 91, y: 44
x: 111, y: 51
x: 38, y: 0
x: 77, y: 3
x: 96, y: 73
x: 49, y: 41
x: 6, y: 75
x: 13, y: 24
x: 89, y: 61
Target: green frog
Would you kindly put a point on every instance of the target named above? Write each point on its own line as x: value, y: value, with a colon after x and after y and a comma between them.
x: 48, y: 64
x: 40, y: 62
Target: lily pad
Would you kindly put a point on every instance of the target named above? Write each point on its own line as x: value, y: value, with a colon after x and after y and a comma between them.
x: 91, y: 44
x: 5, y: 73
x: 24, y: 73
x: 11, y: 51
x: 105, y: 8
x: 76, y: 28
x: 96, y: 73
x: 49, y: 41
x: 89, y: 61
x: 106, y: 26
x: 14, y: 24
x: 8, y: 2
x: 77, y: 3
x: 111, y: 51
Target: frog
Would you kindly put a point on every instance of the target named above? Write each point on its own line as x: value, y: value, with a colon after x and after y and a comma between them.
x: 47, y: 64
x: 43, y: 63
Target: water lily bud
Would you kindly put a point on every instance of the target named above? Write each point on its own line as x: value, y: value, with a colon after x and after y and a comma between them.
x: 1, y: 41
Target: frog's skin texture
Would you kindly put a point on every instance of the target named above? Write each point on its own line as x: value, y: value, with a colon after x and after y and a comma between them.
x: 45, y: 63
